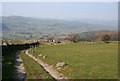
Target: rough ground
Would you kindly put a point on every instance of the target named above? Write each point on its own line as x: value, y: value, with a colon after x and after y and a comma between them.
x: 19, y: 72
x: 54, y: 73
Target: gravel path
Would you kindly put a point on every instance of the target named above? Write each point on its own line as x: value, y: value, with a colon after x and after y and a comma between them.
x: 54, y: 73
x: 19, y: 72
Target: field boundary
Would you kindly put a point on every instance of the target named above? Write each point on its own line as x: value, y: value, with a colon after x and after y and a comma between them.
x: 54, y: 73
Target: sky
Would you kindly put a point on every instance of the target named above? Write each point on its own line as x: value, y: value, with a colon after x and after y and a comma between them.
x: 60, y: 0
x: 62, y: 10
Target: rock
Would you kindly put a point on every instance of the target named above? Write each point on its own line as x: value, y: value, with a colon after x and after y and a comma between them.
x: 32, y: 51
x: 51, y: 66
x: 60, y: 64
x: 58, y: 68
x: 5, y: 44
x: 40, y: 54
x: 44, y: 56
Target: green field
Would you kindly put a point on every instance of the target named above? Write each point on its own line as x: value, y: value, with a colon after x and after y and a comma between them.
x: 84, y: 60
x: 33, y: 69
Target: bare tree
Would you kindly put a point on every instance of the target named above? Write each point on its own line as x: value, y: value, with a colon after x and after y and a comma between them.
x: 74, y: 37
x: 50, y: 39
x: 106, y: 38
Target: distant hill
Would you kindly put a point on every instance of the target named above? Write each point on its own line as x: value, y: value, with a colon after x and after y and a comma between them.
x: 25, y: 27
x: 98, y: 36
x: 113, y: 35
x: 4, y: 28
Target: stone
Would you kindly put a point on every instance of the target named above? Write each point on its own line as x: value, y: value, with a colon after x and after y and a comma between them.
x: 5, y: 44
x: 40, y: 54
x: 32, y: 51
x: 44, y: 56
x: 58, y: 68
x: 61, y: 64
x: 51, y: 66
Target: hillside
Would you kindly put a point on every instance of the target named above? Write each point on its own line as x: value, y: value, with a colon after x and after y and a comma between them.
x: 17, y: 27
x: 97, y: 36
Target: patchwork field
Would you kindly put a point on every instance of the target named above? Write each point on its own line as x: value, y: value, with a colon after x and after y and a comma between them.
x: 84, y: 60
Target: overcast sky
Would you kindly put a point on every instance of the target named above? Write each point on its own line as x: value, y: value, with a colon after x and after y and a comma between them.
x: 62, y: 10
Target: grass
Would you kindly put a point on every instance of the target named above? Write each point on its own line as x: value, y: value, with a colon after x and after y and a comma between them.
x: 33, y: 69
x: 84, y: 60
x: 8, y: 65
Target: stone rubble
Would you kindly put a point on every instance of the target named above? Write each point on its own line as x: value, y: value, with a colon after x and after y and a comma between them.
x: 19, y: 72
x: 61, y: 64
x: 58, y: 68
x: 44, y: 56
x: 40, y: 54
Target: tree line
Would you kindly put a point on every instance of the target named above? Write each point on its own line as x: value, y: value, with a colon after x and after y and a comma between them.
x: 105, y: 37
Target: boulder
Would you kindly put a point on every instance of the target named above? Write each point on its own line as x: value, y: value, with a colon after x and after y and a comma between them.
x: 40, y: 54
x: 32, y: 51
x: 5, y: 44
x: 44, y: 56
x: 51, y: 66
x: 58, y: 68
x: 61, y: 64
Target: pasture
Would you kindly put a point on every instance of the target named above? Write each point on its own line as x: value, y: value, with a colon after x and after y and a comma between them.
x: 84, y: 60
x: 33, y: 69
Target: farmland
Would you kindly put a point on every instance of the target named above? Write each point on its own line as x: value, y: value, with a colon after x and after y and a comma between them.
x: 61, y: 41
x: 84, y: 60
x: 27, y: 28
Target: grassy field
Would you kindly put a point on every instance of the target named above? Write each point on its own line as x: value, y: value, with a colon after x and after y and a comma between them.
x: 84, y: 60
x: 33, y: 69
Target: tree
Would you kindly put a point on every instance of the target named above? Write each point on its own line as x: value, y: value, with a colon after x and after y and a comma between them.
x: 106, y: 38
x: 50, y: 39
x: 74, y: 37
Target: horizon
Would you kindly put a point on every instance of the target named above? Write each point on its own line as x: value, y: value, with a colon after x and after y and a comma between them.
x: 67, y: 19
